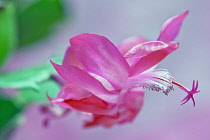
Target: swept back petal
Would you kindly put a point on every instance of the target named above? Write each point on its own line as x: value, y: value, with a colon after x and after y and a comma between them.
x: 71, y: 59
x: 101, y: 57
x: 129, y: 43
x: 143, y: 49
x: 82, y: 79
x: 171, y: 27
x: 152, y: 59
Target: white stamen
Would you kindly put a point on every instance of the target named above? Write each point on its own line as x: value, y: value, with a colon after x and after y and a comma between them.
x: 161, y: 81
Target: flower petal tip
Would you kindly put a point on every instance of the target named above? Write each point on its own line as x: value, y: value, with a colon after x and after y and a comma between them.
x: 52, y: 63
x: 49, y: 99
x: 171, y: 27
x: 186, y: 12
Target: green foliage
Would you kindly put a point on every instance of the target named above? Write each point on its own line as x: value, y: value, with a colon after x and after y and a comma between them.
x: 33, y: 83
x: 36, y: 20
x: 7, y: 31
x: 28, y: 78
x: 26, y: 96
x: 8, y: 111
x: 23, y: 22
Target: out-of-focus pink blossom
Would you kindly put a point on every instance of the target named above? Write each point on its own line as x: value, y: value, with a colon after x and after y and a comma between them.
x: 106, y: 84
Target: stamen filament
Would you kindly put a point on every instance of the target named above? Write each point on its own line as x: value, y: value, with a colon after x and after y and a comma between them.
x: 190, y: 93
x: 179, y: 85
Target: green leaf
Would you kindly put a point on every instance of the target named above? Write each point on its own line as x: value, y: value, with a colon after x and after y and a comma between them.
x: 28, y: 78
x: 8, y: 111
x: 27, y: 96
x: 8, y: 34
x: 36, y: 20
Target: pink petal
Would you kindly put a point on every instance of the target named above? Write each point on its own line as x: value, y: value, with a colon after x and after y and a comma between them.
x: 92, y: 104
x: 152, y: 59
x: 106, y: 121
x: 131, y: 103
x: 171, y: 28
x: 71, y: 59
x: 140, y: 50
x: 70, y: 91
x: 128, y: 44
x: 143, y: 49
x: 129, y: 106
x: 82, y: 79
x: 74, y: 97
x: 59, y: 100
x: 101, y: 57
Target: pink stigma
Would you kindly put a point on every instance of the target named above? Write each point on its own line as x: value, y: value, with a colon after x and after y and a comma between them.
x: 190, y: 93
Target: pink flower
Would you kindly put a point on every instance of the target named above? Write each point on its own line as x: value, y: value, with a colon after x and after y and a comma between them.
x: 105, y: 84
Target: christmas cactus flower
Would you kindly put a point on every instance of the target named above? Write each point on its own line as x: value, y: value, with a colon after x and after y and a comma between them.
x: 105, y: 84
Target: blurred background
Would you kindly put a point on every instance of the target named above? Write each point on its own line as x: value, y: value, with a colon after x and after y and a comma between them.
x: 33, y: 40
